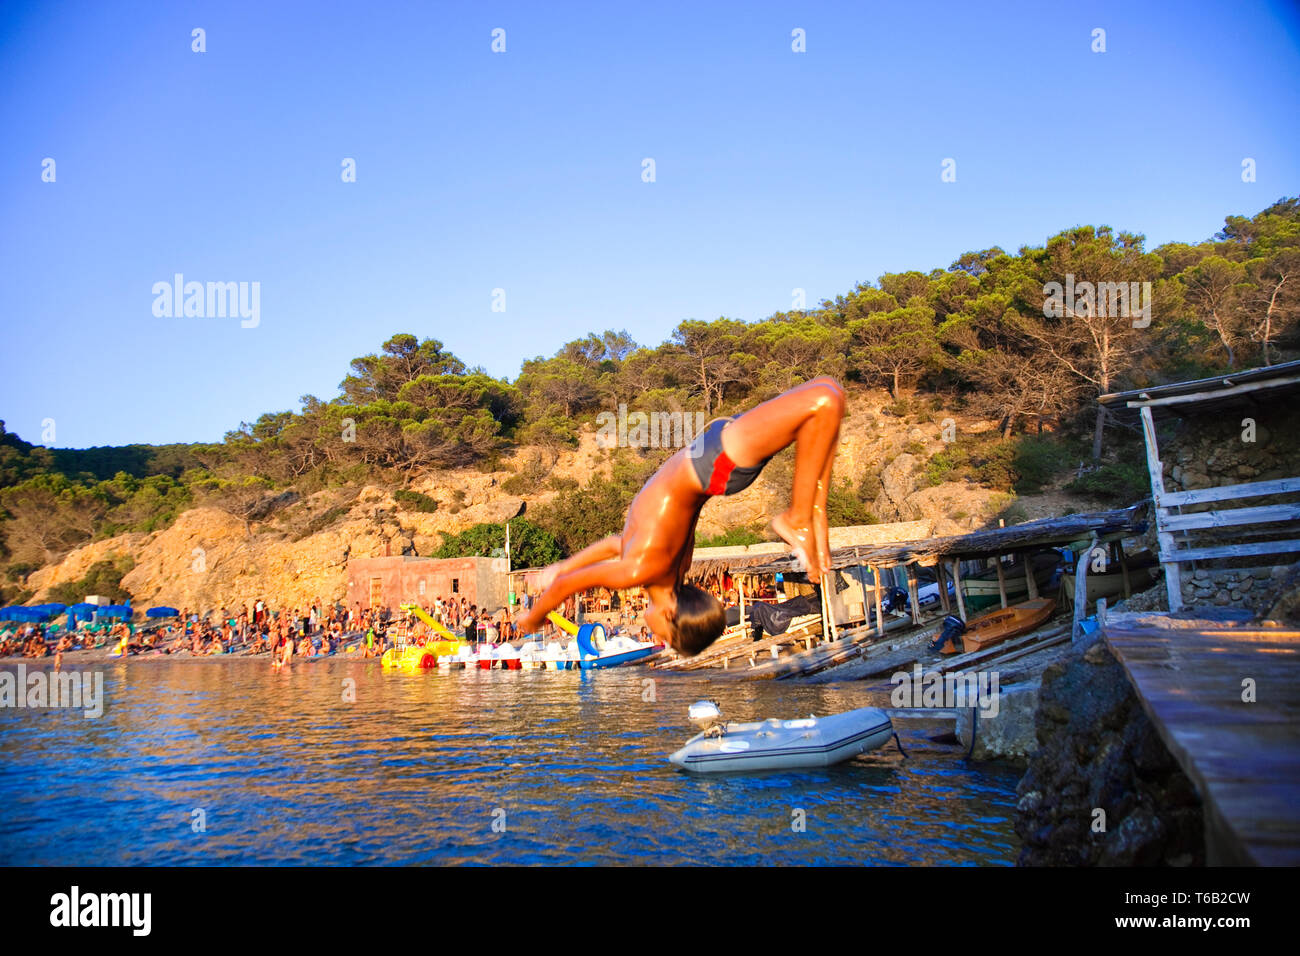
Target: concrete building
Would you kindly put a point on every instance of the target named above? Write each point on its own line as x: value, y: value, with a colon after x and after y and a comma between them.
x: 391, y: 581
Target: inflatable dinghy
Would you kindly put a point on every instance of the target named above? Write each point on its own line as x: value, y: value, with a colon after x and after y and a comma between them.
x: 780, y: 744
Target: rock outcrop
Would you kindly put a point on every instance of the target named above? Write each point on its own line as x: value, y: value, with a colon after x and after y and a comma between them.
x: 1103, y: 789
x: 75, y: 566
x: 1011, y: 734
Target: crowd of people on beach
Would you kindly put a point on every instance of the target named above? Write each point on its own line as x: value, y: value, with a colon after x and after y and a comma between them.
x: 36, y: 640
x: 318, y: 629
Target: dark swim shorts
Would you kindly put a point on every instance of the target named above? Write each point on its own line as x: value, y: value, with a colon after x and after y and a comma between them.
x: 717, y: 473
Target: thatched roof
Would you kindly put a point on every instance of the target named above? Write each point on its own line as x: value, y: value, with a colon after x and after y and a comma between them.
x: 711, y: 562
x: 1045, y: 532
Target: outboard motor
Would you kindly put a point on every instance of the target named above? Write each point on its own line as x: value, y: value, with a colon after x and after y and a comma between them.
x: 953, y: 628
x: 707, y: 715
x: 895, y: 601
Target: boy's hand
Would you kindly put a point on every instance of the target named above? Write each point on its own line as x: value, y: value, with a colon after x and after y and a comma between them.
x: 530, y: 622
x: 547, y: 577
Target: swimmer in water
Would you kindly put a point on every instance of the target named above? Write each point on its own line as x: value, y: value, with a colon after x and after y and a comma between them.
x: 654, y: 551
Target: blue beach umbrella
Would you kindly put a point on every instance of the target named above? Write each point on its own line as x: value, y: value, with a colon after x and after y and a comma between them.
x: 162, y: 612
x: 25, y: 615
x: 79, y: 612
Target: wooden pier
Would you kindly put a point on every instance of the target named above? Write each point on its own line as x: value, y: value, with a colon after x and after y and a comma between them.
x: 1242, y: 756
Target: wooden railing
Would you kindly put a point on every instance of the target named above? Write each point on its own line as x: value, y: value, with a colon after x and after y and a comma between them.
x: 1170, y: 520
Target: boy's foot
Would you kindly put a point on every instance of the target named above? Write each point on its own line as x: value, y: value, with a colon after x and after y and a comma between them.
x: 802, y: 545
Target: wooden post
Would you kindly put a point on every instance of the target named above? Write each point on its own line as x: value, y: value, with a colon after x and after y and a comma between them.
x: 1002, y: 582
x: 1081, y: 588
x: 828, y: 615
x: 1123, y: 568
x: 1031, y: 583
x: 862, y: 587
x: 1168, y: 557
x: 821, y: 593
x: 940, y: 578
x: 880, y: 611
x: 911, y: 594
x: 740, y: 589
x: 956, y: 588
x: 830, y: 593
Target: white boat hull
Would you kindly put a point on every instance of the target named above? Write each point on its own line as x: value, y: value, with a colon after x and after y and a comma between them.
x: 787, y: 744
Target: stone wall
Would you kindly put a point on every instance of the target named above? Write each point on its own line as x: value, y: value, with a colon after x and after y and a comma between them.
x: 1255, y: 589
x: 1214, y: 449
x: 1228, y: 447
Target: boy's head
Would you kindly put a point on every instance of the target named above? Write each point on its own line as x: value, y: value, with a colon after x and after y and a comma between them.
x: 696, y: 621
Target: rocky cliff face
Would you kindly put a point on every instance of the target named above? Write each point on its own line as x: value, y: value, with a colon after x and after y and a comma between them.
x: 208, y: 558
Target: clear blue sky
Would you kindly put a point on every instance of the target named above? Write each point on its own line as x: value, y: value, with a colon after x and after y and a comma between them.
x: 522, y: 170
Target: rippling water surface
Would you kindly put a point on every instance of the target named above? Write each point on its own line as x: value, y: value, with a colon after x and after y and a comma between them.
x: 421, y: 765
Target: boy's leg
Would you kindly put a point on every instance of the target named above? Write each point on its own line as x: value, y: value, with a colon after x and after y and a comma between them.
x: 809, y: 417
x: 821, y: 524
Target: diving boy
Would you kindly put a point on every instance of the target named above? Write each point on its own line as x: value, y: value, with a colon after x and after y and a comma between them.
x: 654, y: 551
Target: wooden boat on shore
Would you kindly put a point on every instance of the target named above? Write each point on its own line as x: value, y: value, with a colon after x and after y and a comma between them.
x: 1005, y: 623
x: 1142, y: 569
x: 981, y: 590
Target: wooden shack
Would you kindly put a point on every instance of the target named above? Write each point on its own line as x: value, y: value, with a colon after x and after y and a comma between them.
x: 1222, y: 520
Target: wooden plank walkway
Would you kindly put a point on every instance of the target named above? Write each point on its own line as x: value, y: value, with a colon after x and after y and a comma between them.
x: 737, y: 646
x: 1244, y: 758
x: 850, y: 645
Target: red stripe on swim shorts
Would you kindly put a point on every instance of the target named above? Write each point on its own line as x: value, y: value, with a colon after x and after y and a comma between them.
x: 722, y: 468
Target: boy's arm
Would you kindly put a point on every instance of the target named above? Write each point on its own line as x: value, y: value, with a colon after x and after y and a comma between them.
x: 602, y: 550
x: 608, y: 574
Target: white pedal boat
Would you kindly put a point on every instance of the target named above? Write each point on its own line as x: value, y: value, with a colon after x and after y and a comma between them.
x: 551, y: 656
x: 465, y: 657
x: 775, y: 744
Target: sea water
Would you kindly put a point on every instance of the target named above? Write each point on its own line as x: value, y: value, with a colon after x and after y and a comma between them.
x: 338, y: 762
